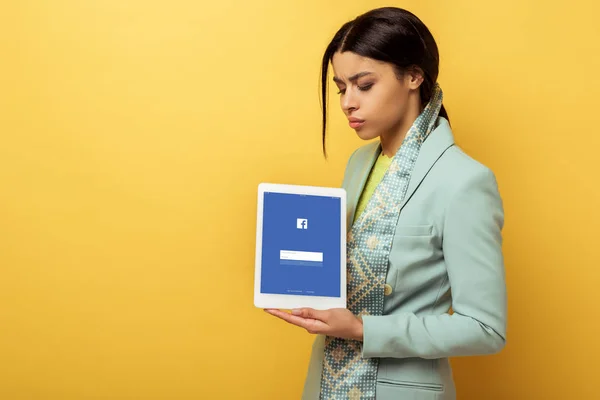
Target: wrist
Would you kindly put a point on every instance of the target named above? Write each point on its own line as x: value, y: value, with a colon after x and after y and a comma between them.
x: 359, y: 330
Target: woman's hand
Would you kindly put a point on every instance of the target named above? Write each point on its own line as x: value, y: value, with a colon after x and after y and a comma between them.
x: 336, y: 322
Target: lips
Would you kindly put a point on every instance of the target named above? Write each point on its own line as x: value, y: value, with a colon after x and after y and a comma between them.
x: 355, y: 122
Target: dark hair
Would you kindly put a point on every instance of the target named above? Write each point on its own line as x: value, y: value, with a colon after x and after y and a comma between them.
x: 387, y: 34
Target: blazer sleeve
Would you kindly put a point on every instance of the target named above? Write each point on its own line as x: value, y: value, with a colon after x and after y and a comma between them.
x: 472, y: 247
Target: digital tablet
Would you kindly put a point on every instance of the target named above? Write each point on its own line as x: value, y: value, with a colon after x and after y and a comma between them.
x: 300, y: 247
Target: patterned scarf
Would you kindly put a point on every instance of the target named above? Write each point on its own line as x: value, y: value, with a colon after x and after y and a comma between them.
x: 346, y: 375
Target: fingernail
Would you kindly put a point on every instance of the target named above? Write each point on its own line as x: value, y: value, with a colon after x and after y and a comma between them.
x: 296, y: 312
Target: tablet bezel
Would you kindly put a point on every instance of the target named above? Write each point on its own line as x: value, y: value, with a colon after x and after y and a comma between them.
x: 288, y: 301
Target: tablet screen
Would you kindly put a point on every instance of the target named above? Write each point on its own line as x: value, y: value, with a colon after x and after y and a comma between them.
x: 301, y: 245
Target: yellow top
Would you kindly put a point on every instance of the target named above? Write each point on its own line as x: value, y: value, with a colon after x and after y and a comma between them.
x: 381, y: 165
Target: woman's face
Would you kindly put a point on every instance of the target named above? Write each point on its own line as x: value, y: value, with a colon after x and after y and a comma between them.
x: 372, y: 97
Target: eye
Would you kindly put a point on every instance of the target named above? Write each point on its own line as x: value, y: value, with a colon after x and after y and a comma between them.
x: 366, y: 87
x: 342, y: 91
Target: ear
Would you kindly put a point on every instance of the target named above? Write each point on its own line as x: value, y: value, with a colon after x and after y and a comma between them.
x: 414, y: 77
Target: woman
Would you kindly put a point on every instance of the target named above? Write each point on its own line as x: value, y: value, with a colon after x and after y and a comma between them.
x: 425, y: 236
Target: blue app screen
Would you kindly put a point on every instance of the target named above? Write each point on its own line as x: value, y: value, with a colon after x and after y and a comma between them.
x: 301, y: 245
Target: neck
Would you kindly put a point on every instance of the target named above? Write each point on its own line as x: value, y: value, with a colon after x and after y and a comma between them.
x: 391, y: 142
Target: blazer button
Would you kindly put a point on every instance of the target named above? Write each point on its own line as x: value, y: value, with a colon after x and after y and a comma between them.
x: 387, y: 290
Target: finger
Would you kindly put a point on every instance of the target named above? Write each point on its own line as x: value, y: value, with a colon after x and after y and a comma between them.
x: 292, y: 319
x: 317, y: 327
x: 311, y: 313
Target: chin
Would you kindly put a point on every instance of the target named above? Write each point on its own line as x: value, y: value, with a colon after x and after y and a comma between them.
x: 365, y: 134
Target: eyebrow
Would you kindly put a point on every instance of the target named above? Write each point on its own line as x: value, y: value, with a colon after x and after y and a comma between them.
x: 353, y: 77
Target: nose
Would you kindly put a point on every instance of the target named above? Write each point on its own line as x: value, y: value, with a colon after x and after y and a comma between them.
x: 349, y: 102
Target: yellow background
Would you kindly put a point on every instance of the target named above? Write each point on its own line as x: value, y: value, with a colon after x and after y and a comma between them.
x: 134, y: 134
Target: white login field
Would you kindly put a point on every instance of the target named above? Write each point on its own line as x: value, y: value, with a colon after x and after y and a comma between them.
x: 300, y: 255
x: 301, y: 258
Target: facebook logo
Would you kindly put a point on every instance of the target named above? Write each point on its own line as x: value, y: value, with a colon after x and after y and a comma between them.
x: 302, y: 223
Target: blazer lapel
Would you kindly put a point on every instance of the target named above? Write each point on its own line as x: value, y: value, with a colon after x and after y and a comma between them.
x: 364, y: 164
x: 438, y: 141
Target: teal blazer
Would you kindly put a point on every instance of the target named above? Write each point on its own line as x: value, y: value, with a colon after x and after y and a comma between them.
x: 446, y: 255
